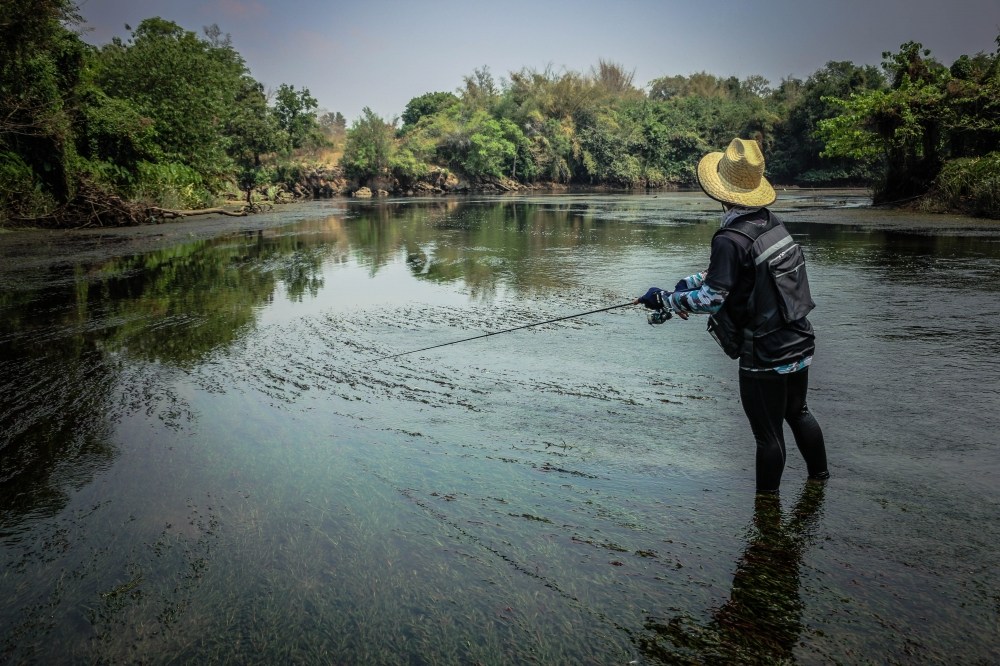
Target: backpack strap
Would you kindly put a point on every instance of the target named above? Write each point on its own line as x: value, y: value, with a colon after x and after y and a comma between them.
x: 750, y: 230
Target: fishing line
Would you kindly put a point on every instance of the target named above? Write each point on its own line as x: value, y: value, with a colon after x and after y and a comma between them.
x: 506, y: 330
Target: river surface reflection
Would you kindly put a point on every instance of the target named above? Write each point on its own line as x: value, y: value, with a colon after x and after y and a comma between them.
x: 207, y: 455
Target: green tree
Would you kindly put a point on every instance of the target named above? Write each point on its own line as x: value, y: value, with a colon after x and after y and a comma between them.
x: 186, y: 86
x: 796, y: 155
x: 296, y: 115
x: 553, y: 146
x: 253, y: 131
x: 614, y: 81
x: 333, y: 125
x: 480, y: 91
x: 492, y: 149
x: 41, y: 63
x: 425, y: 105
x: 973, y: 99
x: 900, y: 127
x: 669, y: 148
x: 114, y: 136
x: 437, y: 137
x: 610, y: 149
x: 550, y: 108
x: 370, y: 147
x: 700, y: 84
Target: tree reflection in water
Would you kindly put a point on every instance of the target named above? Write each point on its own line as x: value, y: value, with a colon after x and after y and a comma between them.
x: 761, y: 621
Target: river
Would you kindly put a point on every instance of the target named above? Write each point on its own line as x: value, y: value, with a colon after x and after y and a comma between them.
x: 208, y: 455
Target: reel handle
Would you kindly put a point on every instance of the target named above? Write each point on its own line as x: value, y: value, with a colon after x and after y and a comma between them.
x: 657, y: 317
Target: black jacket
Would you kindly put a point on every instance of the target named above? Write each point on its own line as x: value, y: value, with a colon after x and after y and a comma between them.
x: 763, y: 319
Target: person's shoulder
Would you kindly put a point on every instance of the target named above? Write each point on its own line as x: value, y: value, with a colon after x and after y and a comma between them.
x: 761, y: 216
x: 741, y: 228
x: 729, y: 239
x: 774, y: 217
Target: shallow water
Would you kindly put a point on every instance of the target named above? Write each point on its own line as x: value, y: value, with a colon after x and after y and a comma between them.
x: 206, y: 455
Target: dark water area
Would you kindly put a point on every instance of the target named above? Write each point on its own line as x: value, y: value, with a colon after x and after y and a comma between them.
x: 206, y: 455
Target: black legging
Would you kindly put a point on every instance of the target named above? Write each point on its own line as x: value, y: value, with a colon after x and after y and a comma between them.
x: 768, y: 400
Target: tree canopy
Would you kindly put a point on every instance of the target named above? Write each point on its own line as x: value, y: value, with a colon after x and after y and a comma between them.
x: 933, y: 129
x: 175, y: 118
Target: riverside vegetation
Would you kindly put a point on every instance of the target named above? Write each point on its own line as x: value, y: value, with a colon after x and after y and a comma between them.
x: 168, y: 121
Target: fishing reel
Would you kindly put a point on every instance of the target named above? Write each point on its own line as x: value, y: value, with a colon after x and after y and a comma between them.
x: 657, y: 317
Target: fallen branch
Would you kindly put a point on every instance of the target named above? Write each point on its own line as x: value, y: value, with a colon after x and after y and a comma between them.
x: 169, y: 214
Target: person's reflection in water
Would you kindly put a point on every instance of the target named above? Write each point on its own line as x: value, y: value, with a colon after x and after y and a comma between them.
x: 761, y: 621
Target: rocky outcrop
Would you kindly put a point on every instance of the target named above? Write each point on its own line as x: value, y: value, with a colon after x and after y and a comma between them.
x: 436, y: 181
x: 442, y: 181
x: 323, y: 182
x: 502, y: 184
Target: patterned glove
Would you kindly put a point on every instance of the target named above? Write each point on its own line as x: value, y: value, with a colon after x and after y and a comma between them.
x: 653, y: 298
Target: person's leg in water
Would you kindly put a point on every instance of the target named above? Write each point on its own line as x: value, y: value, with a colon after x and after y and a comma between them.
x: 805, y: 428
x: 764, y: 400
x: 769, y: 400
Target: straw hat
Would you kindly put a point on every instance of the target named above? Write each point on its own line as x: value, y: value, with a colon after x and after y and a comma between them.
x: 737, y: 175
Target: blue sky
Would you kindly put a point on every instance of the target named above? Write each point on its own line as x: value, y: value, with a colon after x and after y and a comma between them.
x: 382, y: 53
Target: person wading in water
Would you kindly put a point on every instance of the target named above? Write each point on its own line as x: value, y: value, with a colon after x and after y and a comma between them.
x: 756, y: 294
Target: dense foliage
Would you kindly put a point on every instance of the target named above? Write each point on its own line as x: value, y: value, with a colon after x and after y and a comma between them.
x: 166, y: 116
x: 40, y: 67
x: 174, y: 118
x: 933, y: 129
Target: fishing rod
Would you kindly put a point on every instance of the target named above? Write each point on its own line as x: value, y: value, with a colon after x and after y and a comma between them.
x: 508, y: 330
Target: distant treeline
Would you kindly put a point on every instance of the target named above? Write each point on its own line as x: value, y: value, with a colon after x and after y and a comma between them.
x: 175, y: 119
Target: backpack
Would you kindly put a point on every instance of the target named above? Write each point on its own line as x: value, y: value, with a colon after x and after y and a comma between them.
x: 780, y: 294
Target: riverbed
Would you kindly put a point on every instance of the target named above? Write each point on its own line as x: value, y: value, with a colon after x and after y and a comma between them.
x: 219, y: 445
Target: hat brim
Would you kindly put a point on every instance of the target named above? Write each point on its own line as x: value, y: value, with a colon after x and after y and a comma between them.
x: 714, y: 186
